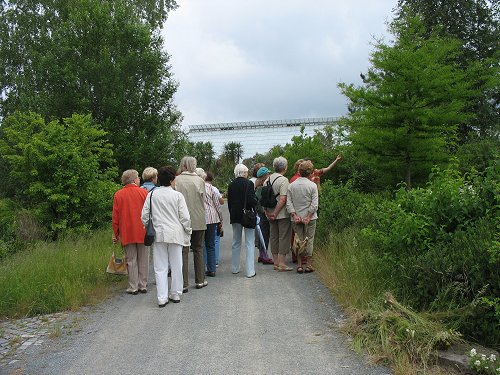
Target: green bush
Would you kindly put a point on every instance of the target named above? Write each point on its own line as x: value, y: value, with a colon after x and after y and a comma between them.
x: 61, y: 171
x: 7, y: 227
x: 441, y: 244
x: 342, y: 207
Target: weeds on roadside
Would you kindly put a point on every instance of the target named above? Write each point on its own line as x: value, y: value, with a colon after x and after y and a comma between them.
x: 389, y: 330
x: 56, y: 276
x: 392, y: 333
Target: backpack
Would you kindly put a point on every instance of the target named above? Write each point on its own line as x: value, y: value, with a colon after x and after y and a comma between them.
x: 268, y: 198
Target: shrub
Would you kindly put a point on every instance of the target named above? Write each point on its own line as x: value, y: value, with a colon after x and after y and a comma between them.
x: 62, y: 171
x: 441, y: 244
x: 343, y: 207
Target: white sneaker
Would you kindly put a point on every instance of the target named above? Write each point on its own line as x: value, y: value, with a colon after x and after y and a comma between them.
x: 202, y: 285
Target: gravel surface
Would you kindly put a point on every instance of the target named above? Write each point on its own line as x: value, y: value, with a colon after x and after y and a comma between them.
x: 274, y: 323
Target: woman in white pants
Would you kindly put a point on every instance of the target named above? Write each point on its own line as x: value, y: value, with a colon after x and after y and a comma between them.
x: 172, y: 224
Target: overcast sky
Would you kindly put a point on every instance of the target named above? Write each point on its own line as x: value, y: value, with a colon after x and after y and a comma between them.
x: 269, y: 59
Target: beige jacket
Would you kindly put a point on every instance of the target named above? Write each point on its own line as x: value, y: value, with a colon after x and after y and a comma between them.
x: 302, y: 198
x: 192, y: 188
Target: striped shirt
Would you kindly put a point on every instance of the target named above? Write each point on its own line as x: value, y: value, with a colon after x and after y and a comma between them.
x: 213, y: 213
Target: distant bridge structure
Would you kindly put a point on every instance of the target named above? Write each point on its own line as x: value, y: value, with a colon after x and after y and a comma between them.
x: 256, y: 136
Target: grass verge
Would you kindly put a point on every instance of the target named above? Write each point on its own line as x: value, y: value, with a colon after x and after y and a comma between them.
x: 57, y: 276
x: 391, y: 333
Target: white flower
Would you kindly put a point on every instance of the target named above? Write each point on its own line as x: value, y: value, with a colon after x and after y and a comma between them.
x: 477, y: 363
x: 493, y: 358
x: 483, y: 357
x: 473, y: 352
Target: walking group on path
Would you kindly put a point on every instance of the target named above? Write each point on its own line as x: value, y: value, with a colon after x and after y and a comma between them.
x: 185, y: 209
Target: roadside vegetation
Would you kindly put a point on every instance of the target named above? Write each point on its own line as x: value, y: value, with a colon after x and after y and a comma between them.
x: 66, y: 274
x: 409, y: 233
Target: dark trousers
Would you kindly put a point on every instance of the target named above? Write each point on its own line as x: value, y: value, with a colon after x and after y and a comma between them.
x: 199, y: 268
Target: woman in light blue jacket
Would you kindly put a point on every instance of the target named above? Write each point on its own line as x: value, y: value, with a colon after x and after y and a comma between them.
x: 172, y: 224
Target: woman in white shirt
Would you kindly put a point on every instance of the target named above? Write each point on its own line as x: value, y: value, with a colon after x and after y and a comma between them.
x: 172, y: 224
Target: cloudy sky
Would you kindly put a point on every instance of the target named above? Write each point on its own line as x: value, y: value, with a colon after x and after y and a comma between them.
x: 269, y: 59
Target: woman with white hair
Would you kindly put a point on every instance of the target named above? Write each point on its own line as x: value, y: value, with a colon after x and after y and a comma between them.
x: 192, y: 187
x: 241, y: 190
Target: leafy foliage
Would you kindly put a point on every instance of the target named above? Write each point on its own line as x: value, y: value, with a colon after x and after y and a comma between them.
x: 204, y: 154
x: 439, y: 244
x: 99, y: 57
x: 405, y: 116
x: 475, y: 23
x: 62, y: 170
x: 342, y: 207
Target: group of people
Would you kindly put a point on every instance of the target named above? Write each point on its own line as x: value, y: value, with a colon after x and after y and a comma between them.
x: 294, y: 213
x: 185, y: 209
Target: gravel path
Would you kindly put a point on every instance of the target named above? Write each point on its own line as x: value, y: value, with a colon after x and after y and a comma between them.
x: 274, y: 323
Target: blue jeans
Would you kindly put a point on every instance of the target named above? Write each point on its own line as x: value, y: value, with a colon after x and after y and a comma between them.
x: 236, y: 249
x: 209, y: 247
x: 217, y: 247
x: 217, y: 250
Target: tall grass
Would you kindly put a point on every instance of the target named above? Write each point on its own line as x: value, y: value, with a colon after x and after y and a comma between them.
x: 350, y: 269
x: 57, y: 276
x: 405, y: 340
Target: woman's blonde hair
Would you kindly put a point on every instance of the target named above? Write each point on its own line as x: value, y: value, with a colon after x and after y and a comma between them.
x: 201, y: 172
x: 149, y: 173
x: 306, y: 168
x: 297, y: 164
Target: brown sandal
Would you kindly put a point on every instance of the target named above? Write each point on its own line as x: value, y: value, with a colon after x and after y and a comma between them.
x: 309, y: 269
x: 300, y: 270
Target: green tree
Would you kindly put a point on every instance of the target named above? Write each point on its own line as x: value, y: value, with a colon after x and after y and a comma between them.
x: 204, y: 154
x: 232, y: 152
x: 62, y: 171
x: 476, y: 24
x: 99, y: 57
x: 321, y: 148
x: 404, y: 118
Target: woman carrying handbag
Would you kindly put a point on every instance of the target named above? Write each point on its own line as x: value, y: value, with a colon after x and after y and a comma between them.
x: 241, y: 201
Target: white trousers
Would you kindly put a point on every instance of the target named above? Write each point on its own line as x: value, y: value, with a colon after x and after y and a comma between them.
x: 165, y: 255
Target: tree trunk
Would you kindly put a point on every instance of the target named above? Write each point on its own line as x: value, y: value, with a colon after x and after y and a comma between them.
x: 408, y: 172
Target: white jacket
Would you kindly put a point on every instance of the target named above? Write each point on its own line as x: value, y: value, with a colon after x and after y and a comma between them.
x: 170, y: 216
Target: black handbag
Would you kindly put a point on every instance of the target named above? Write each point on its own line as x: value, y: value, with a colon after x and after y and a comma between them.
x: 249, y: 217
x: 149, y: 237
